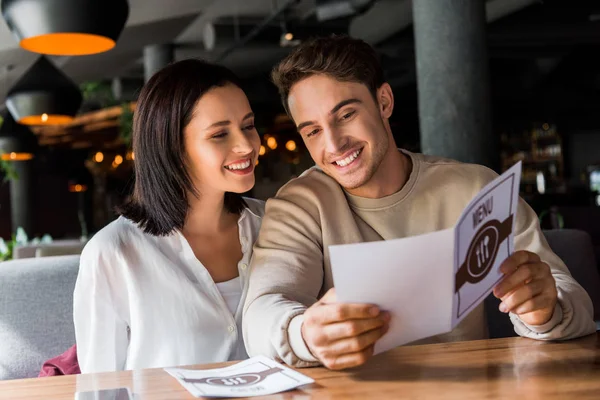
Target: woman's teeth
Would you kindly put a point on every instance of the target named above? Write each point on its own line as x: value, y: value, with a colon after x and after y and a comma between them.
x: 242, y: 165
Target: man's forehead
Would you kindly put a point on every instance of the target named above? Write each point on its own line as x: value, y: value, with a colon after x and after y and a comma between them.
x: 318, y: 94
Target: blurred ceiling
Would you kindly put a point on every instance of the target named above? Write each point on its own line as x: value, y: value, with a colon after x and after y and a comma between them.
x: 532, y: 44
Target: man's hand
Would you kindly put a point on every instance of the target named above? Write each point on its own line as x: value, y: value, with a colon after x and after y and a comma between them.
x: 342, y: 335
x: 528, y: 288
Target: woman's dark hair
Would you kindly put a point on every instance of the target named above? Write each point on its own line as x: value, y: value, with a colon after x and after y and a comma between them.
x: 159, y: 203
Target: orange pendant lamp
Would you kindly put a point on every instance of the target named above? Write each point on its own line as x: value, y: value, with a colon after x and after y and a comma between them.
x: 66, y: 27
x: 43, y: 96
x: 17, y: 142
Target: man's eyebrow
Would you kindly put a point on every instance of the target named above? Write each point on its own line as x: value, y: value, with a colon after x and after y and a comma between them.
x: 335, y: 109
x: 342, y: 104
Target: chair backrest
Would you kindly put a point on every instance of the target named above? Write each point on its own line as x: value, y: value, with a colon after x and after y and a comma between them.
x: 36, y: 312
x: 575, y: 248
x: 30, y: 250
x: 64, y: 250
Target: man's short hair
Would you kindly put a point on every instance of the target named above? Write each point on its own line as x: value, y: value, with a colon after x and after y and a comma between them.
x: 339, y: 56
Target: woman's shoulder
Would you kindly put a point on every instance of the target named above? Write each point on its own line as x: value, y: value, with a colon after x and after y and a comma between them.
x: 110, y: 241
x: 255, y: 206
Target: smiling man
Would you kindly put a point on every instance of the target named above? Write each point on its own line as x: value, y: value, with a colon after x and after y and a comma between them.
x: 362, y: 189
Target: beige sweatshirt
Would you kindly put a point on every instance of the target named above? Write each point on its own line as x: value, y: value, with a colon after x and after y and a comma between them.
x: 291, y: 266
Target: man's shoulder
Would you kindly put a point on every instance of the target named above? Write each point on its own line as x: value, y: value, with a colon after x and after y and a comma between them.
x: 312, y: 182
x: 313, y: 191
x: 255, y: 206
x: 438, y: 171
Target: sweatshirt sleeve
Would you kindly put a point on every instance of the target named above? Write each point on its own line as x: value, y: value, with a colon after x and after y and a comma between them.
x: 286, y: 278
x: 101, y: 334
x: 573, y: 315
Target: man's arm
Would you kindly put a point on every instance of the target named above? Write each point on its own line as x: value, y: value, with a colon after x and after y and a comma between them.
x: 285, y: 279
x: 283, y: 317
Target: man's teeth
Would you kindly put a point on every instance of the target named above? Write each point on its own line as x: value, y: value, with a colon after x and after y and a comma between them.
x: 243, y: 165
x: 349, y: 159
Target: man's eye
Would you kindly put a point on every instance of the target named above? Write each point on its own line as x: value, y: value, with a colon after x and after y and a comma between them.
x: 348, y: 115
x: 312, y: 133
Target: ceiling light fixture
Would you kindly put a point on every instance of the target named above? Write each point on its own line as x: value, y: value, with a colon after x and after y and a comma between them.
x: 43, y: 96
x: 17, y: 142
x: 66, y: 27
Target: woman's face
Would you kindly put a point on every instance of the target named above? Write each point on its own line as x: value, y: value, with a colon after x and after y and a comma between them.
x: 221, y: 142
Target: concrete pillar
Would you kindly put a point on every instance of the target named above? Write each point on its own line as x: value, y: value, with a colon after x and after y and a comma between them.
x: 453, y: 80
x: 21, y: 198
x: 156, y: 57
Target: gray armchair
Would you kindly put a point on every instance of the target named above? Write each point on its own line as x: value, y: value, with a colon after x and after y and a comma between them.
x: 36, y: 312
x: 575, y: 248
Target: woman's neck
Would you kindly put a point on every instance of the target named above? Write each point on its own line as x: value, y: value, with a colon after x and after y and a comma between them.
x: 207, y: 215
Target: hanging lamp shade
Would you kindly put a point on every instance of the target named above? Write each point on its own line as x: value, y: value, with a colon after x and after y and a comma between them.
x: 44, y: 96
x: 17, y: 142
x: 66, y: 27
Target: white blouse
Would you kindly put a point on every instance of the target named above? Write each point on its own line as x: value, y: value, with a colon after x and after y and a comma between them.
x: 144, y: 301
x: 231, y: 291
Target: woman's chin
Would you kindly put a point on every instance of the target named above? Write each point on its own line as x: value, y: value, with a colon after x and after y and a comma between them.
x: 243, y: 187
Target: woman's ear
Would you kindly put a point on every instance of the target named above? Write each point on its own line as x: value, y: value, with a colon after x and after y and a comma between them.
x: 385, y: 99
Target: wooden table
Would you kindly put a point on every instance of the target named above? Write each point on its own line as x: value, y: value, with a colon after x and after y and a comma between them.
x: 514, y: 368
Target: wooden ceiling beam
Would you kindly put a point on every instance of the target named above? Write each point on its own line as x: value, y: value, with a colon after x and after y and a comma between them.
x: 92, y: 121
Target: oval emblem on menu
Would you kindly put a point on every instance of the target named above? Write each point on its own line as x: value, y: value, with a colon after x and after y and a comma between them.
x: 482, y: 252
x: 235, y: 380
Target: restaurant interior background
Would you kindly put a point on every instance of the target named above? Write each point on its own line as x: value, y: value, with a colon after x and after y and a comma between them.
x: 544, y: 80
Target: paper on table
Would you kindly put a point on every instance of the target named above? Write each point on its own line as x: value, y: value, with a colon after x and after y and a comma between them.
x: 419, y: 279
x: 257, y: 376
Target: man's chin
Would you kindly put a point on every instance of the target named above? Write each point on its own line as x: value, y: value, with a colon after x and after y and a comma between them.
x: 349, y: 182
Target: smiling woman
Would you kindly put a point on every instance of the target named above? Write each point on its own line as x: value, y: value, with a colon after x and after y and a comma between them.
x: 172, y: 271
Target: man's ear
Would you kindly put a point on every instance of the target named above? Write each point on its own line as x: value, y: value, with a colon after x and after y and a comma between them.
x: 385, y: 99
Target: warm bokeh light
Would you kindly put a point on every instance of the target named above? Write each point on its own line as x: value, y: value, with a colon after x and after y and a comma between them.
x: 68, y: 44
x: 289, y: 36
x: 16, y: 156
x: 46, y: 119
x: 272, y: 143
x: 546, y: 126
x: 130, y: 156
x: 118, y: 159
x: 291, y: 145
x: 256, y: 163
x: 77, y: 188
x: 99, y: 157
x: 262, y: 151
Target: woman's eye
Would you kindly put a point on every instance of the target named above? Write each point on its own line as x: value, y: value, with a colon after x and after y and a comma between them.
x: 219, y: 135
x: 249, y: 127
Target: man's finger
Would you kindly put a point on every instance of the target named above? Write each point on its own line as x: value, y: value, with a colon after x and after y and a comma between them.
x: 524, y: 274
x: 539, y: 302
x: 355, y: 344
x: 329, y: 297
x: 337, y: 312
x: 348, y: 360
x: 352, y: 328
x: 517, y: 259
x: 513, y: 281
x: 524, y: 293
